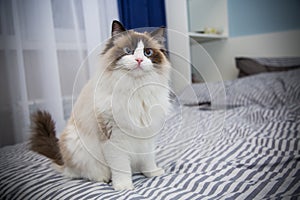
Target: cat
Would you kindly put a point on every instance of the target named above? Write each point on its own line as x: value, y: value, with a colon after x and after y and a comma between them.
x: 113, y: 125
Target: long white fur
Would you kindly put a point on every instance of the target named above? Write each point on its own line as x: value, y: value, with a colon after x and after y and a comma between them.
x: 133, y: 104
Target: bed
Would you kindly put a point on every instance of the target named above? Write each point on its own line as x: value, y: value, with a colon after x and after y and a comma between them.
x: 246, y: 148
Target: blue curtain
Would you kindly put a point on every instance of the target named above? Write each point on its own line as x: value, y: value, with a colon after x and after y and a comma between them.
x: 142, y: 13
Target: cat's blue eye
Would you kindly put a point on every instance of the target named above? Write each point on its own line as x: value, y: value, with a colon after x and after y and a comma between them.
x: 148, y: 52
x: 127, y: 50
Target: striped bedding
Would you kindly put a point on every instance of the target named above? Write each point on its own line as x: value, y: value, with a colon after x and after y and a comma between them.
x: 249, y: 150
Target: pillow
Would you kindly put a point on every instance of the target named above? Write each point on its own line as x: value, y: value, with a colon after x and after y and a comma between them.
x: 250, y: 66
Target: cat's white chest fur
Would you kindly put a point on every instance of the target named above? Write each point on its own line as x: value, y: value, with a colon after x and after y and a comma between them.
x: 137, y: 107
x: 142, y: 109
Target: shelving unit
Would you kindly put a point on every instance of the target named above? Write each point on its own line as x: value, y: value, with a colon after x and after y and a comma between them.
x: 201, y: 37
x: 188, y: 18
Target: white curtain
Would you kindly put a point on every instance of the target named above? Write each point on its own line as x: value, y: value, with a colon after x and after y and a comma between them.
x: 42, y: 44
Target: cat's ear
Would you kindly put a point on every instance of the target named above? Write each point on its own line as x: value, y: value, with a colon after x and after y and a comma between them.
x: 117, y: 28
x: 159, y: 34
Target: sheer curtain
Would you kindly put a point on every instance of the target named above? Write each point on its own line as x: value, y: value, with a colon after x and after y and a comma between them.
x: 42, y: 44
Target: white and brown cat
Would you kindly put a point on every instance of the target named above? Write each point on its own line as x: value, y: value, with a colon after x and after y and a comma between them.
x: 112, y: 128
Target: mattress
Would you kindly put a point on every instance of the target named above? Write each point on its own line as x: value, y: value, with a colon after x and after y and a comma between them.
x: 246, y: 148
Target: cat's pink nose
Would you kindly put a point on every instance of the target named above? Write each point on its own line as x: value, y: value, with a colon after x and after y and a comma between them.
x: 139, y: 60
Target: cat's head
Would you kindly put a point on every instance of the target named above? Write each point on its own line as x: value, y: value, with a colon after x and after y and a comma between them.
x: 134, y: 53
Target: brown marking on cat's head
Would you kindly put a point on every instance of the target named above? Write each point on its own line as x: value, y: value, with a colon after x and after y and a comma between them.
x: 120, y: 48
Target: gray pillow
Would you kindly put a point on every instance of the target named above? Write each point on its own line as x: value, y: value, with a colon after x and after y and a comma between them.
x: 250, y: 66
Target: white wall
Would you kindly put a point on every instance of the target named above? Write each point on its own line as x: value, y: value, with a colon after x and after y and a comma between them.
x: 178, y: 43
x: 276, y: 44
x: 208, y: 13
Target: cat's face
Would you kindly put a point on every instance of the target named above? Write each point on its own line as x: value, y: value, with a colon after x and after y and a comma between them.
x: 134, y: 53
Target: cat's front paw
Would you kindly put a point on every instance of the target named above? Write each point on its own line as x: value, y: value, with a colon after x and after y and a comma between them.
x: 157, y: 172
x: 123, y: 186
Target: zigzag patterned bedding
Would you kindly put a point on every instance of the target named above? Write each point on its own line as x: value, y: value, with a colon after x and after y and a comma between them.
x: 251, y: 150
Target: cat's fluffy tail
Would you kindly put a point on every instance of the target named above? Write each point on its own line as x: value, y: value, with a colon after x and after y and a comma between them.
x: 43, y: 139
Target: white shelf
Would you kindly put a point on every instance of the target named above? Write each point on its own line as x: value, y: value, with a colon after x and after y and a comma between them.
x: 200, y: 37
x: 188, y: 17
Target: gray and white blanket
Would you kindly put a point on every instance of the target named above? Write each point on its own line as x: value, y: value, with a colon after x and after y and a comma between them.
x: 246, y: 147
